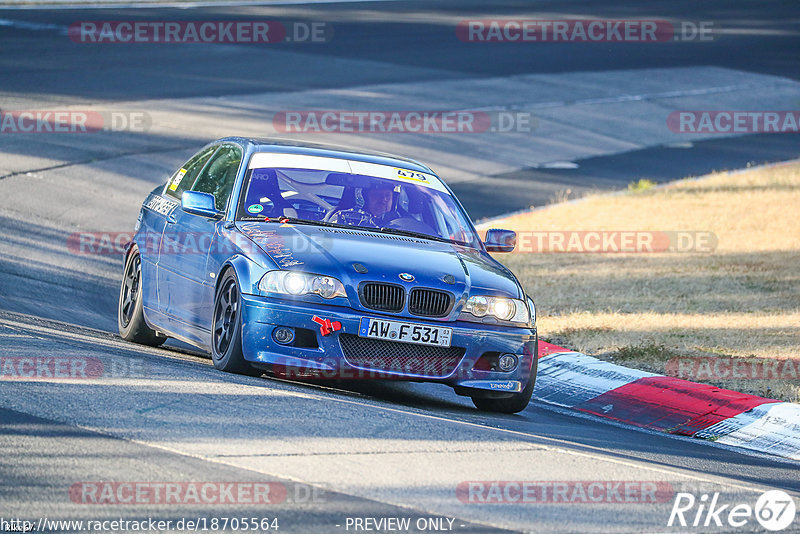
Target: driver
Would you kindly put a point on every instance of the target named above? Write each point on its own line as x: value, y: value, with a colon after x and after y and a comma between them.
x: 378, y: 209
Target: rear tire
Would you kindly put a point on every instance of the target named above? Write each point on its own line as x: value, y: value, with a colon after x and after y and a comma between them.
x: 226, y: 329
x: 130, y: 311
x: 518, y: 401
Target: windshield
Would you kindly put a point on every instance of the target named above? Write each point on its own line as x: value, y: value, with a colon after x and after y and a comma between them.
x: 406, y: 204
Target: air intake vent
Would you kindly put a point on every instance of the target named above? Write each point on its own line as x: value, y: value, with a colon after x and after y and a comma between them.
x: 383, y: 297
x: 373, y: 234
x: 400, y: 358
x: 429, y: 302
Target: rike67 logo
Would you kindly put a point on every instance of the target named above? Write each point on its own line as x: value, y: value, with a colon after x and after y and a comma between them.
x: 774, y: 510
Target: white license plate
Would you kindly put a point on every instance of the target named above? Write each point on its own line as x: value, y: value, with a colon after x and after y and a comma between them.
x: 420, y: 334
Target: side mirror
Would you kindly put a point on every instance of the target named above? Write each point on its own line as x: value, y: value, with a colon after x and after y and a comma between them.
x: 500, y: 240
x: 198, y: 203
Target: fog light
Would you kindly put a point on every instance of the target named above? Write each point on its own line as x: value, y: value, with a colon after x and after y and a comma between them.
x: 507, y: 362
x: 283, y: 335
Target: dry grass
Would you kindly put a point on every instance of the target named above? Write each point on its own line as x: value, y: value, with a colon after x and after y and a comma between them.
x: 742, y: 300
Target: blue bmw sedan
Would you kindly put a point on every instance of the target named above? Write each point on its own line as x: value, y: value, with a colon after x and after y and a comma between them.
x: 306, y: 261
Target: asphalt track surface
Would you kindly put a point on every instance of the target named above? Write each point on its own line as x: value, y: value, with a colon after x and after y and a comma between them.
x: 368, y: 449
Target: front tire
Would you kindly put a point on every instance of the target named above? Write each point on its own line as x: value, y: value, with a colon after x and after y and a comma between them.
x: 226, y: 329
x: 518, y: 401
x: 130, y: 311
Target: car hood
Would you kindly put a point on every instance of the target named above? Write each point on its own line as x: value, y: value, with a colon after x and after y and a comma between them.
x: 335, y: 251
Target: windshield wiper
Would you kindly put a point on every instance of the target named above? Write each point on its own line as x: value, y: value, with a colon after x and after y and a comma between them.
x: 293, y: 220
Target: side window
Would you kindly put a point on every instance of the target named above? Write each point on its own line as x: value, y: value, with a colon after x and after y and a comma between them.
x: 185, y: 176
x: 220, y: 174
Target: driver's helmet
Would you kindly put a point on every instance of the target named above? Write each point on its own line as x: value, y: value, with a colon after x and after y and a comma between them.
x: 361, y: 214
x: 374, y: 193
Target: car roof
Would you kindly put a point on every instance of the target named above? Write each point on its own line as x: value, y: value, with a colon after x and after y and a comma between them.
x: 291, y: 146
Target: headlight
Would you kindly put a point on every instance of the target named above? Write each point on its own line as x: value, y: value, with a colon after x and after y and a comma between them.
x: 504, y: 309
x: 295, y: 283
x: 298, y: 283
x: 477, y: 306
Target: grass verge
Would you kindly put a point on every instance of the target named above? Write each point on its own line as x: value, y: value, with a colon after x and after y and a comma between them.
x: 736, y: 303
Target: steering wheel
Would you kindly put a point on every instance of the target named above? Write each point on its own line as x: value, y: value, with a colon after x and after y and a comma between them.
x: 353, y: 217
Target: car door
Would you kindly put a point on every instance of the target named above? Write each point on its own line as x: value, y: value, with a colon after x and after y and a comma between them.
x: 181, y: 180
x: 187, y: 283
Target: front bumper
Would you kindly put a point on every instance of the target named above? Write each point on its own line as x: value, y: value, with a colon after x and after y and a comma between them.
x: 324, y: 357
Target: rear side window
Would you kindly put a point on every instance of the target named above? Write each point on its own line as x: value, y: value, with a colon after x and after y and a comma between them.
x: 219, y: 175
x: 184, y: 177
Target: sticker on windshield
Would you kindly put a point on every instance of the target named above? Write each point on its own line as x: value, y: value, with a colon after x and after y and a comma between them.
x: 255, y: 208
x: 424, y: 179
x: 177, y: 180
x: 412, y: 175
